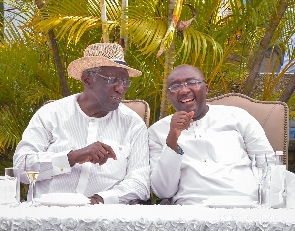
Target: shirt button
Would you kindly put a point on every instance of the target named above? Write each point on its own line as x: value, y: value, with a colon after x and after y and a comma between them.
x: 92, y: 120
x: 61, y: 169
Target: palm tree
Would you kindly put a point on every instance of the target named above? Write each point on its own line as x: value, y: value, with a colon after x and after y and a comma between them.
x: 238, y: 33
x: 275, y: 19
x: 60, y: 69
x: 28, y: 76
x: 222, y: 46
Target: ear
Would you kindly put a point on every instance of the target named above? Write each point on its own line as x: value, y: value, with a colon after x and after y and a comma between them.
x: 86, y: 79
x: 207, y: 89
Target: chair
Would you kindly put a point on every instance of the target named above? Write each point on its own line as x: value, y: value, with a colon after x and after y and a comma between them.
x: 272, y: 115
x: 141, y: 107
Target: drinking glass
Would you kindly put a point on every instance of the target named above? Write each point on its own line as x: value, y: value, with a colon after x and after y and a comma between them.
x: 2, y: 190
x: 260, y: 171
x: 32, y: 169
x: 12, y: 186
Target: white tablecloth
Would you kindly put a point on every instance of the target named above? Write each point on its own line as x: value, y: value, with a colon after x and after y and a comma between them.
x: 144, y: 217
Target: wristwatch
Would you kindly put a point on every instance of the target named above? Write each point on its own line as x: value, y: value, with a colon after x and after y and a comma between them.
x: 179, y: 150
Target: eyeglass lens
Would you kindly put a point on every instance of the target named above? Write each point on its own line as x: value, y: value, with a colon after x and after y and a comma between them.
x: 189, y: 83
x: 116, y: 81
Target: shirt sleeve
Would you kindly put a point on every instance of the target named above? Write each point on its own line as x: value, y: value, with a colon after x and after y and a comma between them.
x: 36, y: 140
x: 165, y: 166
x: 136, y: 184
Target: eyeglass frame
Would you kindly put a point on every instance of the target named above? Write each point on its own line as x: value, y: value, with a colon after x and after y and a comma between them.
x: 185, y: 83
x: 118, y: 80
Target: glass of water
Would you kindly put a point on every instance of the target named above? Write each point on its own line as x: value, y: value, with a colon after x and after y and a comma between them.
x: 12, y: 186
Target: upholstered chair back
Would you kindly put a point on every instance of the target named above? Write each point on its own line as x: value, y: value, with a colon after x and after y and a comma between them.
x: 141, y: 107
x: 272, y: 115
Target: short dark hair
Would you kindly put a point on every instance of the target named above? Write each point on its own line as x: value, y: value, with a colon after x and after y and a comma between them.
x: 91, y: 72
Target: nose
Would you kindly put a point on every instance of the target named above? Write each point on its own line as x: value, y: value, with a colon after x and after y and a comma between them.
x: 120, y: 88
x: 119, y: 82
x: 184, y: 87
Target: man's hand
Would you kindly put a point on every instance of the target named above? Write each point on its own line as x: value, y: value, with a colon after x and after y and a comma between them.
x: 96, y: 199
x: 179, y: 122
x: 95, y: 153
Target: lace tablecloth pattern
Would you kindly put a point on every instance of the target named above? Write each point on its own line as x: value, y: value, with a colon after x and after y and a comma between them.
x: 143, y: 217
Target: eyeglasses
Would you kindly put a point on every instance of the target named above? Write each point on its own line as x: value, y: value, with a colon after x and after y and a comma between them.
x: 189, y: 83
x: 116, y: 81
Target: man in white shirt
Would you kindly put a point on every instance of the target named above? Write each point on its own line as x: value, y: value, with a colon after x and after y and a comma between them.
x: 203, y: 150
x: 91, y: 143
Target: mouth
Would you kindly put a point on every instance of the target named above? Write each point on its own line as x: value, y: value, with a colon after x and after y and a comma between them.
x: 188, y: 100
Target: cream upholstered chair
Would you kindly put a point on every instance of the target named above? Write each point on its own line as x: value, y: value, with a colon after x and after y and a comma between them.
x: 272, y: 115
x: 141, y: 107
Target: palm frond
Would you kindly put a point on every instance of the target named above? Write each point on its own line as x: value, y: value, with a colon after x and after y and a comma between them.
x: 147, y: 34
x: 72, y: 19
x: 195, y: 47
x: 10, y: 130
x: 15, y: 18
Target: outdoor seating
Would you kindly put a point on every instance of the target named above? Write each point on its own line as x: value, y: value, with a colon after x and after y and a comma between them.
x: 141, y: 107
x: 272, y: 115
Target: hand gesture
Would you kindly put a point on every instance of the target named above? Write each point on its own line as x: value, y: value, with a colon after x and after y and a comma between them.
x: 96, y: 152
x: 179, y: 122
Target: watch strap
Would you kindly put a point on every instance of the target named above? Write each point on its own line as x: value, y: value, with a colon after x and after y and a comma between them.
x: 179, y: 150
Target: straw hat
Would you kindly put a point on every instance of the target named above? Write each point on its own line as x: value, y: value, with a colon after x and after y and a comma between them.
x: 100, y: 55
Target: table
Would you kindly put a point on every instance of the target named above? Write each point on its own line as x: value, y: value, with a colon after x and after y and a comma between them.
x: 144, y: 217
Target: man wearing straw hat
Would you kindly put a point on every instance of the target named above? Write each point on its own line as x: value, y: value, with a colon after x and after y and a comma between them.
x: 89, y: 142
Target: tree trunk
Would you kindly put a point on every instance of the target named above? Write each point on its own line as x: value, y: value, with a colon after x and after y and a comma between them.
x: 169, y: 62
x: 1, y: 21
x: 60, y: 69
x: 104, y: 19
x: 274, y: 22
x: 123, y: 36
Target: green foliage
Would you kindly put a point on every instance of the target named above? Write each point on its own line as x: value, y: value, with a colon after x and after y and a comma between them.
x: 4, y: 164
x: 221, y: 46
x: 28, y: 78
x: 291, y: 104
x: 77, y: 19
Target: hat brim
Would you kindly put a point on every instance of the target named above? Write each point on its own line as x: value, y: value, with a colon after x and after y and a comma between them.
x: 76, y: 67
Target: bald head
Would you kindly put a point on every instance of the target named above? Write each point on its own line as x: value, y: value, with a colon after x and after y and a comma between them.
x: 185, y: 68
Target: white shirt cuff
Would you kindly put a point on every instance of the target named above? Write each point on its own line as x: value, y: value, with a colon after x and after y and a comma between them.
x: 170, y: 158
x: 60, y: 163
x: 109, y: 197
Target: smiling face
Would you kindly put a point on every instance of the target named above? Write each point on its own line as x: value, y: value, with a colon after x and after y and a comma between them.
x: 188, y: 98
x: 104, y: 95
